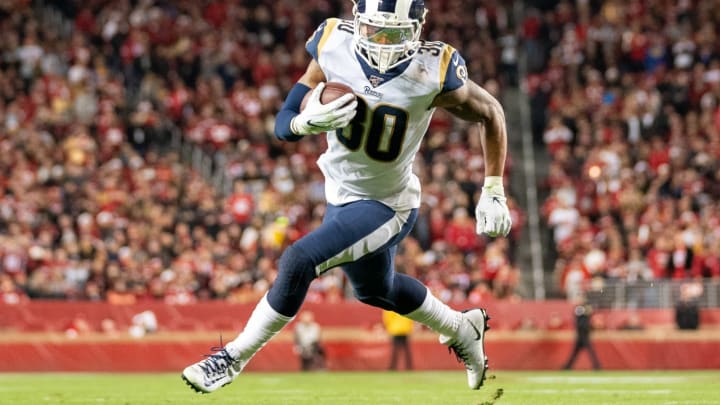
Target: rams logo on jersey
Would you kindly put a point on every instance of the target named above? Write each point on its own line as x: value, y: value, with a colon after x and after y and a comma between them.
x: 461, y: 72
x: 375, y: 81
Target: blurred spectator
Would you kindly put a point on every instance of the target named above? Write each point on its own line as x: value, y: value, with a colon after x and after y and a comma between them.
x: 687, y: 309
x: 143, y: 323
x: 307, y: 343
x: 583, y: 327
x: 632, y: 322
x: 10, y: 294
x: 109, y: 327
x: 119, y: 294
x: 399, y: 328
x: 626, y: 97
x: 555, y: 322
x: 77, y: 326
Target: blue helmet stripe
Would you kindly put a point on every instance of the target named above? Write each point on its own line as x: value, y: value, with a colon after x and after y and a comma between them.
x: 417, y: 7
x: 387, y: 6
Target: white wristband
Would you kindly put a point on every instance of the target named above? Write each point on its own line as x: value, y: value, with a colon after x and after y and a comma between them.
x: 493, y: 181
x: 293, y: 127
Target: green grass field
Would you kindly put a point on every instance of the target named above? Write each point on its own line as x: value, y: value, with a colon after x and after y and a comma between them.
x: 446, y: 388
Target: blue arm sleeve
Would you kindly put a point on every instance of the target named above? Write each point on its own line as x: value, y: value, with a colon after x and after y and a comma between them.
x: 290, y: 109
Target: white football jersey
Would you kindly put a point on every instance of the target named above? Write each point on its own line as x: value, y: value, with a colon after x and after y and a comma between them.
x: 372, y: 158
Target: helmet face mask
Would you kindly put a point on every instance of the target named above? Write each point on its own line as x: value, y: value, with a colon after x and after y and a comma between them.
x: 387, y: 33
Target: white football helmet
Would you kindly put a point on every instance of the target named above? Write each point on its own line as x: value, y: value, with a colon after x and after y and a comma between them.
x: 387, y: 32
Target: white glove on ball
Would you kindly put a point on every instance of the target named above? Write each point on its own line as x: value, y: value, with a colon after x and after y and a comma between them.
x: 491, y: 212
x: 318, y: 117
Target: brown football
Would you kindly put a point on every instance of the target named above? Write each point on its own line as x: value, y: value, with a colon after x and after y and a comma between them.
x: 332, y: 91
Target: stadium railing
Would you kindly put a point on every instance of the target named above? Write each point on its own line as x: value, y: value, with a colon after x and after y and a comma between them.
x: 211, y: 165
x: 621, y: 294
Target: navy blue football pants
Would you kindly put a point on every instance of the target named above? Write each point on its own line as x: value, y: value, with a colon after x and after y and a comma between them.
x: 362, y: 238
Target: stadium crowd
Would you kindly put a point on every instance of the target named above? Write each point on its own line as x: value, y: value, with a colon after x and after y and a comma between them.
x: 95, y: 204
x: 625, y: 96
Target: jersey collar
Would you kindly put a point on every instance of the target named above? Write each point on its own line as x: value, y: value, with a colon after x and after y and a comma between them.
x: 376, y: 78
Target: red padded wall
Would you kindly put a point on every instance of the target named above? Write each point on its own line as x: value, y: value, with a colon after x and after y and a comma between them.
x: 185, y: 334
x: 504, y: 355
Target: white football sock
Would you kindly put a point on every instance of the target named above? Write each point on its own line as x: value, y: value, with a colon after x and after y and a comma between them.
x: 264, y: 323
x: 437, y: 316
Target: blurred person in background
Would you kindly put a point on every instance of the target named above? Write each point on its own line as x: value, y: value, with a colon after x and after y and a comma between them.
x: 399, y: 328
x: 632, y: 322
x: 583, y: 327
x: 687, y: 309
x: 307, y: 342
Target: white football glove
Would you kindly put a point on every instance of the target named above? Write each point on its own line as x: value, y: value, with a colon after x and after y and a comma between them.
x: 317, y: 117
x: 492, y: 213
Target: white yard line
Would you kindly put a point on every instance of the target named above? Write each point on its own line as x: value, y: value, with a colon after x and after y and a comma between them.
x: 609, y: 379
x: 551, y: 391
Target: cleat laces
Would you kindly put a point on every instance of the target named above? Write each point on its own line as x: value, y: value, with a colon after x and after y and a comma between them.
x: 218, y: 362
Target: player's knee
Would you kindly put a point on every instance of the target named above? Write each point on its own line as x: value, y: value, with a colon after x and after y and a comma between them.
x: 377, y: 293
x: 296, y: 267
x: 296, y: 272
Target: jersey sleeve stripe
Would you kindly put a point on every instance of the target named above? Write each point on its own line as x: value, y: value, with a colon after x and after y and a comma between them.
x: 445, y: 63
x: 312, y: 43
x: 331, y: 23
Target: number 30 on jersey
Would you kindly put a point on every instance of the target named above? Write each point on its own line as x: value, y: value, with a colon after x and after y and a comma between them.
x: 382, y: 129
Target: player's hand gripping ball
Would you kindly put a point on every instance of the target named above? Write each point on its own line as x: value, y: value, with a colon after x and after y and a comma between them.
x: 329, y: 92
x: 327, y: 107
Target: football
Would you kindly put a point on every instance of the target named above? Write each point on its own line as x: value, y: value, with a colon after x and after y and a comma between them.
x: 332, y: 91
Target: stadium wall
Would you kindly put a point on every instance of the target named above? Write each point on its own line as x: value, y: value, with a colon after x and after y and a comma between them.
x: 32, y: 339
x: 49, y: 316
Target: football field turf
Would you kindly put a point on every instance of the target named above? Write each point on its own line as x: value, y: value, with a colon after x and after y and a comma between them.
x: 446, y: 388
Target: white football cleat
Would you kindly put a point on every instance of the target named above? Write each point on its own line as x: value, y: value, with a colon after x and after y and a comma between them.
x: 469, y: 345
x: 216, y: 371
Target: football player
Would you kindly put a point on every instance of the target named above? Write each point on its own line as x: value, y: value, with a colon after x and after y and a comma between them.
x: 372, y: 193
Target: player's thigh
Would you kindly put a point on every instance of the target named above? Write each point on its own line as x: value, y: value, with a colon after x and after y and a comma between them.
x: 353, y: 231
x: 372, y: 274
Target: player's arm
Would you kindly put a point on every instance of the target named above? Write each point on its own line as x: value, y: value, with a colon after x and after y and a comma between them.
x: 471, y: 102
x: 291, y: 123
